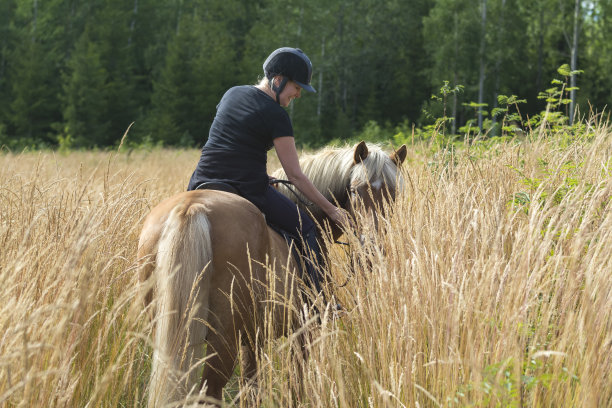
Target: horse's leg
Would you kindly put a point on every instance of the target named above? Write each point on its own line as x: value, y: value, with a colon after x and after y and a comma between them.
x: 223, y: 339
x: 232, y: 331
x: 248, y: 363
x: 145, y: 270
x: 221, y: 353
x: 146, y: 264
x: 248, y: 372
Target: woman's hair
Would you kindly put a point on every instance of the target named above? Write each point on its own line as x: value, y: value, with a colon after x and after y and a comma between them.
x: 263, y: 81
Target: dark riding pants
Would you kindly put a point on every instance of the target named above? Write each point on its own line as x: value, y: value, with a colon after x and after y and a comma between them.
x: 284, y: 213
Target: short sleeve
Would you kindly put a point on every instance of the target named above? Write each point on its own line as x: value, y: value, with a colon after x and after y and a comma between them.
x: 281, y: 124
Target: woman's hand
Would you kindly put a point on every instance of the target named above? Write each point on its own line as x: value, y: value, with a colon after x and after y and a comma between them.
x: 287, y: 154
x: 340, y: 217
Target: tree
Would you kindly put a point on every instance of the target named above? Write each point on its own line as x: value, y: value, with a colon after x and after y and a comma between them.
x: 482, y: 58
x: 596, y: 82
x: 86, y: 96
x: 452, y: 38
x: 7, y: 10
x: 33, y: 67
x: 200, y: 65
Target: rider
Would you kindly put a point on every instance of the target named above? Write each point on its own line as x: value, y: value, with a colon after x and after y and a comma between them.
x: 250, y: 120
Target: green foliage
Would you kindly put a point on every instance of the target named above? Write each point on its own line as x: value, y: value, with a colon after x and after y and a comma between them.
x: 34, y: 101
x: 85, y: 97
x: 65, y: 141
x: 557, y: 100
x: 512, y: 122
x: 95, y: 67
x: 372, y: 132
x: 507, y: 384
x: 507, y: 111
x: 552, y: 184
x: 441, y: 123
x: 192, y: 82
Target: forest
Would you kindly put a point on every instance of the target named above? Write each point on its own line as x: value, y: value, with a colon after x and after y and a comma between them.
x: 76, y: 73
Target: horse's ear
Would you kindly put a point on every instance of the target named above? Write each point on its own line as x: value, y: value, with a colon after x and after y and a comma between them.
x: 399, y: 155
x: 361, y: 152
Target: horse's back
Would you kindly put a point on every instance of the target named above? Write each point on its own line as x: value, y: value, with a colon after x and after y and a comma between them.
x: 238, y: 230
x: 219, y: 206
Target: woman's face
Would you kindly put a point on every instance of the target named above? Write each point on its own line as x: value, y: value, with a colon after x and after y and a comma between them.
x: 291, y: 92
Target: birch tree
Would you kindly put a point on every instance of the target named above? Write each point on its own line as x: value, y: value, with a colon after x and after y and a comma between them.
x: 482, y: 57
x: 574, y: 59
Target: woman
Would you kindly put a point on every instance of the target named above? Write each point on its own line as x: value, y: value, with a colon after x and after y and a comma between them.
x: 250, y: 120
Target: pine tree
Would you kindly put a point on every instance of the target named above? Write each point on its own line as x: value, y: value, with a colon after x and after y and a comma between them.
x: 200, y: 65
x: 86, y: 96
x: 7, y: 10
x: 34, y: 67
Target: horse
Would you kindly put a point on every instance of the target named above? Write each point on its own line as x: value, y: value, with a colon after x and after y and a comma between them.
x: 213, y: 264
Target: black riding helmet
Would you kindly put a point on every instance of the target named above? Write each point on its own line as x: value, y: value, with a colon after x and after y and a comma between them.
x: 293, y: 65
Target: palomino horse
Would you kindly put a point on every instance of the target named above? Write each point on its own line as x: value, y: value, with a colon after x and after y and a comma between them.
x: 215, y: 261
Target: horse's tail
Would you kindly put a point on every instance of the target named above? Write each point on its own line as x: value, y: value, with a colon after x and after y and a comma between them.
x: 183, y: 283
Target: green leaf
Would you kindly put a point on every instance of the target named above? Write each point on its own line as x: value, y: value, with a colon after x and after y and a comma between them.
x: 564, y: 70
x: 475, y: 105
x: 497, y: 111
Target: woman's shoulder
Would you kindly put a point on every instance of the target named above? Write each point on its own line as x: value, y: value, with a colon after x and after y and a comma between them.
x: 244, y: 94
x: 251, y: 96
x: 241, y: 90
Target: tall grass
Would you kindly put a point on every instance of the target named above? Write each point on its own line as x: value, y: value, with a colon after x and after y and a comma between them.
x: 489, y: 284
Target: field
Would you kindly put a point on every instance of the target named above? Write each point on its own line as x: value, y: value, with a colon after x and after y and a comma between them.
x: 488, y: 285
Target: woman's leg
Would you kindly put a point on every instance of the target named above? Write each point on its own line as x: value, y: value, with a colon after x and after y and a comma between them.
x: 283, y: 212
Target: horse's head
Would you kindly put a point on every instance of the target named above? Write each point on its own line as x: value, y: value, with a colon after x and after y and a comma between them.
x: 375, y: 179
x: 360, y: 177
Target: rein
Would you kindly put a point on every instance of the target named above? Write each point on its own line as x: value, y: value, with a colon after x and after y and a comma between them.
x: 288, y: 185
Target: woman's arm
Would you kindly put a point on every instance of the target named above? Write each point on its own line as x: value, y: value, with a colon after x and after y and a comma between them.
x: 287, y: 154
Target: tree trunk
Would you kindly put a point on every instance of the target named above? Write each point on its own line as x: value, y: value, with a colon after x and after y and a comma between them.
x: 456, y: 57
x: 34, y: 18
x: 499, y: 58
x: 574, y: 58
x: 540, y: 50
x: 320, y: 90
x: 178, y: 16
x: 2, y: 59
x: 454, y: 124
x: 342, y: 60
x: 482, y: 62
x: 133, y: 22
x: 298, y: 36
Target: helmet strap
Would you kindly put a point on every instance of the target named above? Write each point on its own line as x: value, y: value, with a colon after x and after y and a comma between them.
x: 277, y: 89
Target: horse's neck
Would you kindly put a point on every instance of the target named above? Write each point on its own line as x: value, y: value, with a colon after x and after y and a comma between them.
x: 323, y: 176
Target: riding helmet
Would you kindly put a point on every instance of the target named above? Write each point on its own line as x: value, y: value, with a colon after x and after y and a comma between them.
x: 291, y: 63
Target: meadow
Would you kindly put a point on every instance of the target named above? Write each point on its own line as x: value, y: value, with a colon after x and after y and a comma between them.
x: 488, y: 284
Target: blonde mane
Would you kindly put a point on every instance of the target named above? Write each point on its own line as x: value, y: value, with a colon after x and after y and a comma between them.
x: 333, y: 171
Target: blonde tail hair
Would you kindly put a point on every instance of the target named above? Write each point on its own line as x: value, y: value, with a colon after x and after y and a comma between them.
x: 183, y: 269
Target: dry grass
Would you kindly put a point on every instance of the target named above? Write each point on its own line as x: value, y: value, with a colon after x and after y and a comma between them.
x: 489, y: 285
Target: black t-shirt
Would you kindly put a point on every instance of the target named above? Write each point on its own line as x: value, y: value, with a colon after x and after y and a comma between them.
x: 244, y: 129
